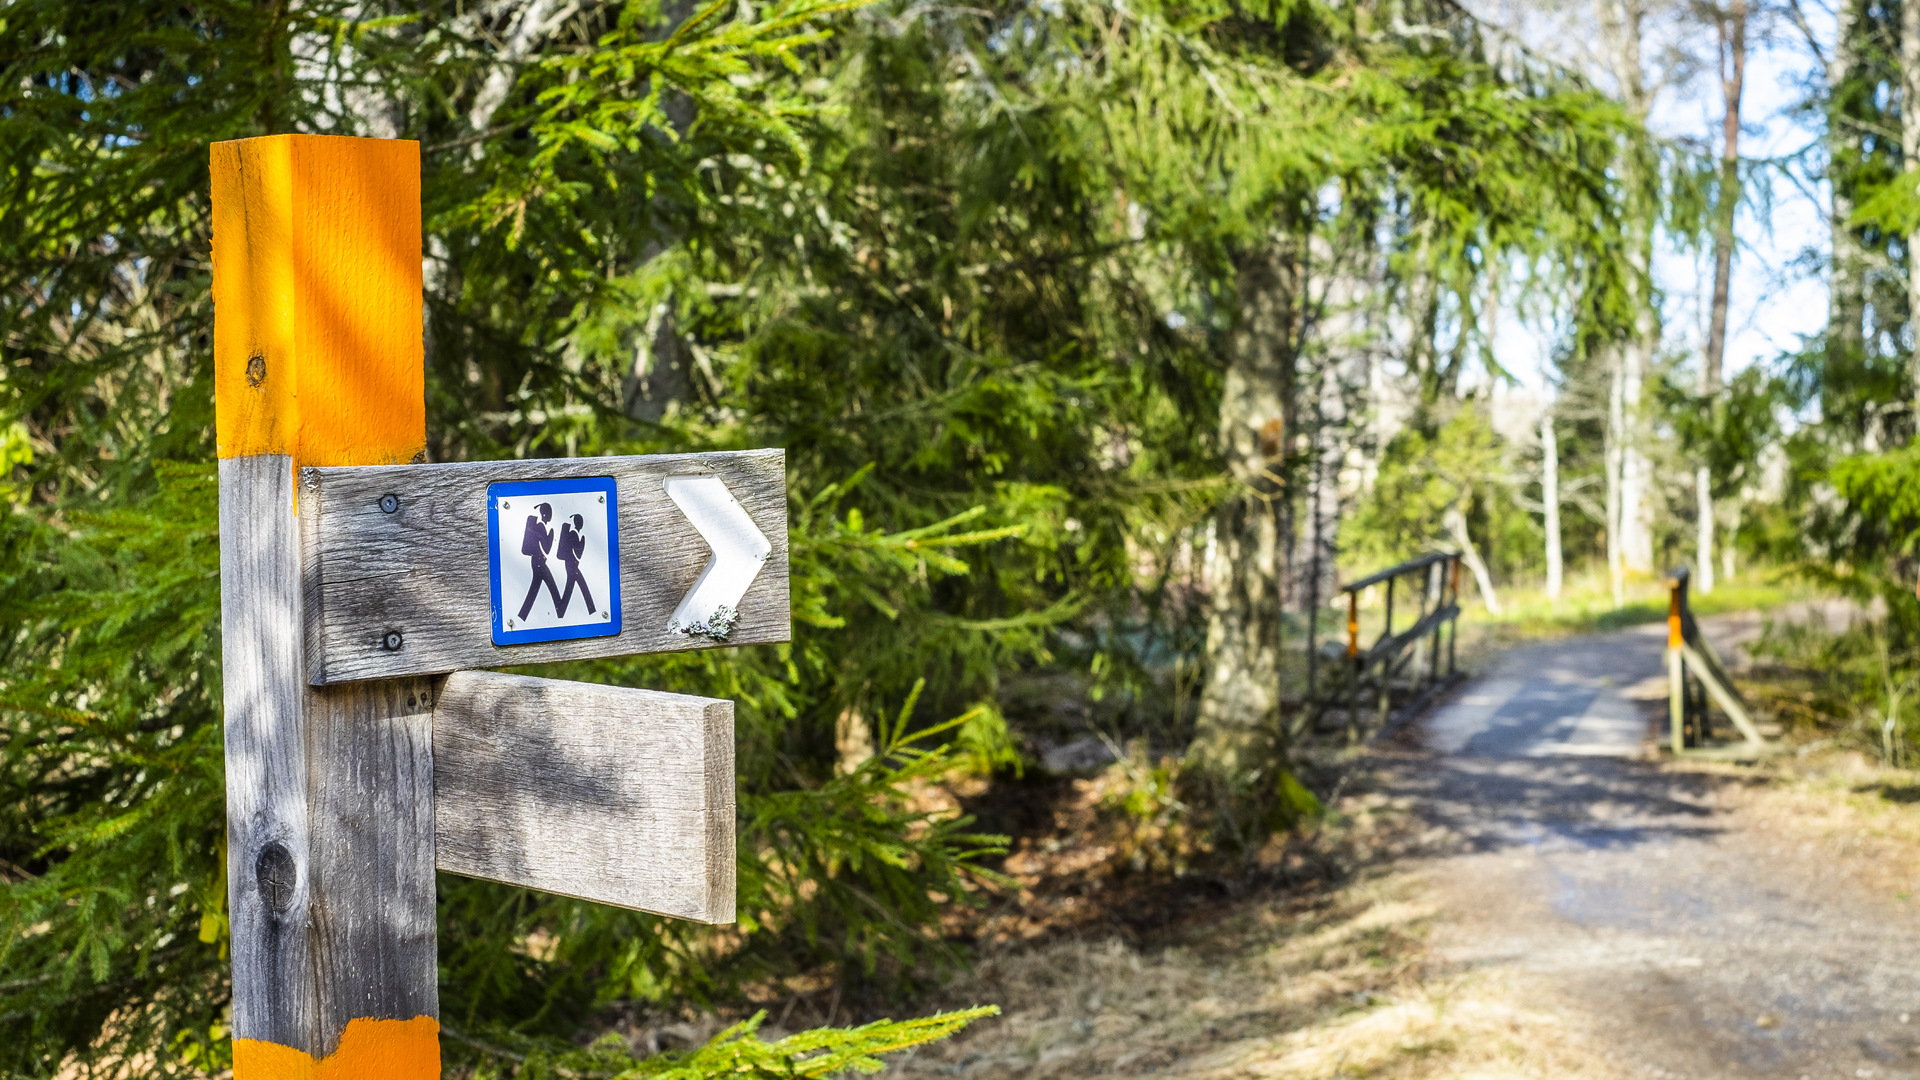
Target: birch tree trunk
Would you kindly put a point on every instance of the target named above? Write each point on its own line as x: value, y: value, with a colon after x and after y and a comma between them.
x: 1550, y: 502
x: 1636, y: 472
x: 1616, y: 398
x: 528, y: 26
x: 1628, y: 523
x: 1727, y: 549
x: 1847, y: 306
x: 1731, y: 24
x: 1236, y: 734
x: 1317, y: 580
x: 1910, y: 157
x: 1456, y: 525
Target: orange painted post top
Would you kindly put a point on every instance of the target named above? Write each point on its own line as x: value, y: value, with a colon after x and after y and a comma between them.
x: 1673, y: 615
x: 317, y: 350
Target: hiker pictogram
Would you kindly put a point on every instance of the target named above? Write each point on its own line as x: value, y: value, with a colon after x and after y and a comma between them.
x: 555, y: 559
x: 535, y: 544
x: 573, y: 543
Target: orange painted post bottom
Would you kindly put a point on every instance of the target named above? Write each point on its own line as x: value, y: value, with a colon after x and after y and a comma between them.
x: 369, y: 1050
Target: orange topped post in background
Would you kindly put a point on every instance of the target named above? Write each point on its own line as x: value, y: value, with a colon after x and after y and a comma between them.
x: 318, y: 360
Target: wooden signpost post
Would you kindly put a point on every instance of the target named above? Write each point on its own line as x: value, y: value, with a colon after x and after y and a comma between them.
x: 361, y: 590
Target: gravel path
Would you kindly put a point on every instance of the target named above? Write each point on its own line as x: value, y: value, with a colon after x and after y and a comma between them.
x: 1688, y: 936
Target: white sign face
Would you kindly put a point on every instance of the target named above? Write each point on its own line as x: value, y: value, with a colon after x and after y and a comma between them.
x: 554, y: 557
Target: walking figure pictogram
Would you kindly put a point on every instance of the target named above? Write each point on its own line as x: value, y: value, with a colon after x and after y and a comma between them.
x: 573, y: 544
x: 536, y: 542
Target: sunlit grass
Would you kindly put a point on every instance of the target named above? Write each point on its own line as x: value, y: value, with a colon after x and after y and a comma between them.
x: 1586, y: 604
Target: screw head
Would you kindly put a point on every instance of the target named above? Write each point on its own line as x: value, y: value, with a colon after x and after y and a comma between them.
x: 389, y: 503
x: 603, y: 615
x: 504, y: 504
x: 602, y: 498
x: 391, y: 642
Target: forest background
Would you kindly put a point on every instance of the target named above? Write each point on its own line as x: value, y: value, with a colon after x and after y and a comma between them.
x: 1105, y: 340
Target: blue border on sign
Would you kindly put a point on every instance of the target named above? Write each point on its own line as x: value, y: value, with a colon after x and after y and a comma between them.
x: 513, y: 489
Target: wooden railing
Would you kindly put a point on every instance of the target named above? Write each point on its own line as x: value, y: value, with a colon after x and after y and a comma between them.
x: 1388, y: 668
x: 1695, y: 675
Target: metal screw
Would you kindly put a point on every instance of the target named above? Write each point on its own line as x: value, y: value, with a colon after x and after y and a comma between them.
x: 504, y: 504
x: 391, y: 642
x: 389, y: 503
x: 603, y: 614
x: 602, y: 498
x: 509, y: 624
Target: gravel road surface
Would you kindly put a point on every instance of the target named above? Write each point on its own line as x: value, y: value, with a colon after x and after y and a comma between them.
x: 1690, y: 937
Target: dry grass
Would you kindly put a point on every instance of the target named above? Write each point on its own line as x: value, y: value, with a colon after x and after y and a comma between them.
x: 1861, y: 818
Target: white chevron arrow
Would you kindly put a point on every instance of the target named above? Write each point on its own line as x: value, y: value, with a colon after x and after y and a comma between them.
x: 740, y: 549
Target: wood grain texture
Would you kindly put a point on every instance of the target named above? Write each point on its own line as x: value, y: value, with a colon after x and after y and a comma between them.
x: 422, y: 570
x: 599, y: 792
x: 329, y: 802
x: 268, y: 859
x: 370, y: 798
x: 317, y: 349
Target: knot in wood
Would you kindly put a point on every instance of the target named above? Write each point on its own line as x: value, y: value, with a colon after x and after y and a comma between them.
x: 277, y: 874
x: 256, y: 369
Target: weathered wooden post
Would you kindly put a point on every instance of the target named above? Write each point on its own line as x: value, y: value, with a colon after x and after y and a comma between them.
x: 1676, y: 672
x: 1354, y: 663
x: 1453, y: 636
x: 330, y: 860
x: 359, y: 592
x: 1437, y: 584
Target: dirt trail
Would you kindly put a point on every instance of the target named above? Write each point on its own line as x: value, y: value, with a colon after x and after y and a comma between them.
x: 1694, y: 936
x: 1687, y: 940
x: 1544, y: 899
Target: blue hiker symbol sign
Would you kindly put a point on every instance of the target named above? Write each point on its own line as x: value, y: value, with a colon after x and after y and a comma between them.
x: 554, y: 559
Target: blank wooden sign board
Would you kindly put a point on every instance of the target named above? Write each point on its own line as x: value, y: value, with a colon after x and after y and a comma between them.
x: 361, y: 589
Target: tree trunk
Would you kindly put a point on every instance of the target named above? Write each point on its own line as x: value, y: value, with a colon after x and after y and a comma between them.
x: 1236, y: 737
x: 1616, y: 567
x: 1910, y: 158
x: 1636, y: 472
x: 1731, y: 24
x: 1727, y: 549
x: 1550, y: 502
x: 1456, y: 524
x: 1318, y: 581
x: 1703, y: 561
x: 1847, y: 306
x: 1628, y: 525
x: 528, y: 27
